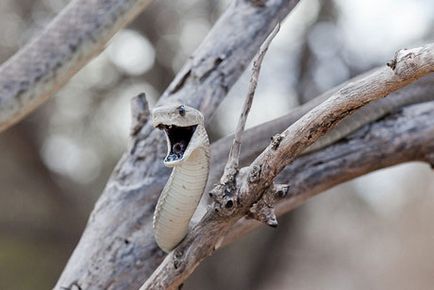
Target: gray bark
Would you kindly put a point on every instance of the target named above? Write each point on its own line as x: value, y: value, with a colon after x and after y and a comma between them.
x: 405, y: 136
x: 117, y: 249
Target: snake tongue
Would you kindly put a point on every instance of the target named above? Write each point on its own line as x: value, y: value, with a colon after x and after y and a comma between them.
x: 179, y: 138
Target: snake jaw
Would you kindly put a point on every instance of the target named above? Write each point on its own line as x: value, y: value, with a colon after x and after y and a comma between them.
x: 180, y: 124
x: 179, y: 146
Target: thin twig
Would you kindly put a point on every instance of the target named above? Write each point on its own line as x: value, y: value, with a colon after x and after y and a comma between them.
x: 223, y: 194
x: 234, y: 154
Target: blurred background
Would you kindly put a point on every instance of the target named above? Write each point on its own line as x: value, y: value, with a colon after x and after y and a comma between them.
x: 372, y: 233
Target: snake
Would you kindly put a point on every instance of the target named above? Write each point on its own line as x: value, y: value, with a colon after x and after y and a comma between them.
x: 188, y: 155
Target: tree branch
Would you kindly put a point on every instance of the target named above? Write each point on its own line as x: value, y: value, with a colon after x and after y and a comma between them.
x: 254, y: 180
x: 258, y: 137
x: 407, y: 135
x: 117, y: 248
x: 234, y: 153
x: 46, y: 63
x: 408, y: 65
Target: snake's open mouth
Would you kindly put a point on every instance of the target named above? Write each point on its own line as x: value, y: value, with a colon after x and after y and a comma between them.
x: 179, y: 138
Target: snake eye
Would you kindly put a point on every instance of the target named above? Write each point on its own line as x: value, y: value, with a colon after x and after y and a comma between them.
x: 181, y: 110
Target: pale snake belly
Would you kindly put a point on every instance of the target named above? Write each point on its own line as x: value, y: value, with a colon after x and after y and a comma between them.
x: 188, y: 154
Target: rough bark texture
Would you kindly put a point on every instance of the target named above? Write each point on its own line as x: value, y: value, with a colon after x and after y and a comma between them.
x: 259, y: 137
x: 407, y: 135
x: 46, y: 63
x: 117, y: 249
x: 233, y: 199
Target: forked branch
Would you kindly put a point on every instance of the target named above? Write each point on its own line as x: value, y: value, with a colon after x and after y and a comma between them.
x: 253, y: 181
x: 406, y: 135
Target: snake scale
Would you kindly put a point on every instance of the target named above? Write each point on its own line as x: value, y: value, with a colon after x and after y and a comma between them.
x: 188, y: 154
x: 79, y: 33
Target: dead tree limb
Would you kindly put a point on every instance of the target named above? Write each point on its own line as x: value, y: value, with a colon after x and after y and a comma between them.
x: 117, y: 248
x: 259, y: 137
x: 405, y: 136
x: 45, y: 64
x: 254, y: 180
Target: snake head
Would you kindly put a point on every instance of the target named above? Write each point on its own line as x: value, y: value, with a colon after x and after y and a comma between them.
x: 180, y: 124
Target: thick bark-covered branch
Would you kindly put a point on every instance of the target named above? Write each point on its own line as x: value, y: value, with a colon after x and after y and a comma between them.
x: 117, y: 249
x: 407, y: 135
x: 259, y: 137
x: 205, y: 237
x: 45, y: 64
x: 407, y: 66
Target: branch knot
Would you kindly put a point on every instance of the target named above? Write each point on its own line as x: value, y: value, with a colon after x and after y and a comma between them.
x: 177, y: 257
x: 225, y: 198
x: 275, y: 141
x: 263, y: 209
x: 255, y: 173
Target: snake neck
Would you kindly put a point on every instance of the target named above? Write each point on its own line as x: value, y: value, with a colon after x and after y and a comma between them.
x: 181, y: 195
